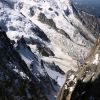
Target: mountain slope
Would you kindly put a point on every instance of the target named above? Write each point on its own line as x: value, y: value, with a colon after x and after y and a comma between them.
x: 16, y: 81
x: 84, y: 84
x: 56, y: 24
x: 48, y: 38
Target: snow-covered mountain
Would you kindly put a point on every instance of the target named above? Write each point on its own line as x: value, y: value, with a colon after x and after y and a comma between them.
x: 46, y: 41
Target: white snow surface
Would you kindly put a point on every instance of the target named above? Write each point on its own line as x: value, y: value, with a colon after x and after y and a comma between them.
x: 15, y: 18
x: 19, y: 22
x: 96, y: 60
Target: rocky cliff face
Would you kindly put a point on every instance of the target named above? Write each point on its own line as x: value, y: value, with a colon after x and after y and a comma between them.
x: 16, y: 80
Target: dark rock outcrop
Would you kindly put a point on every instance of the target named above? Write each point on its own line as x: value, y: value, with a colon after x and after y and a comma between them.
x: 16, y: 80
x: 44, y: 51
x: 31, y: 11
x: 40, y: 34
x: 47, y: 21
